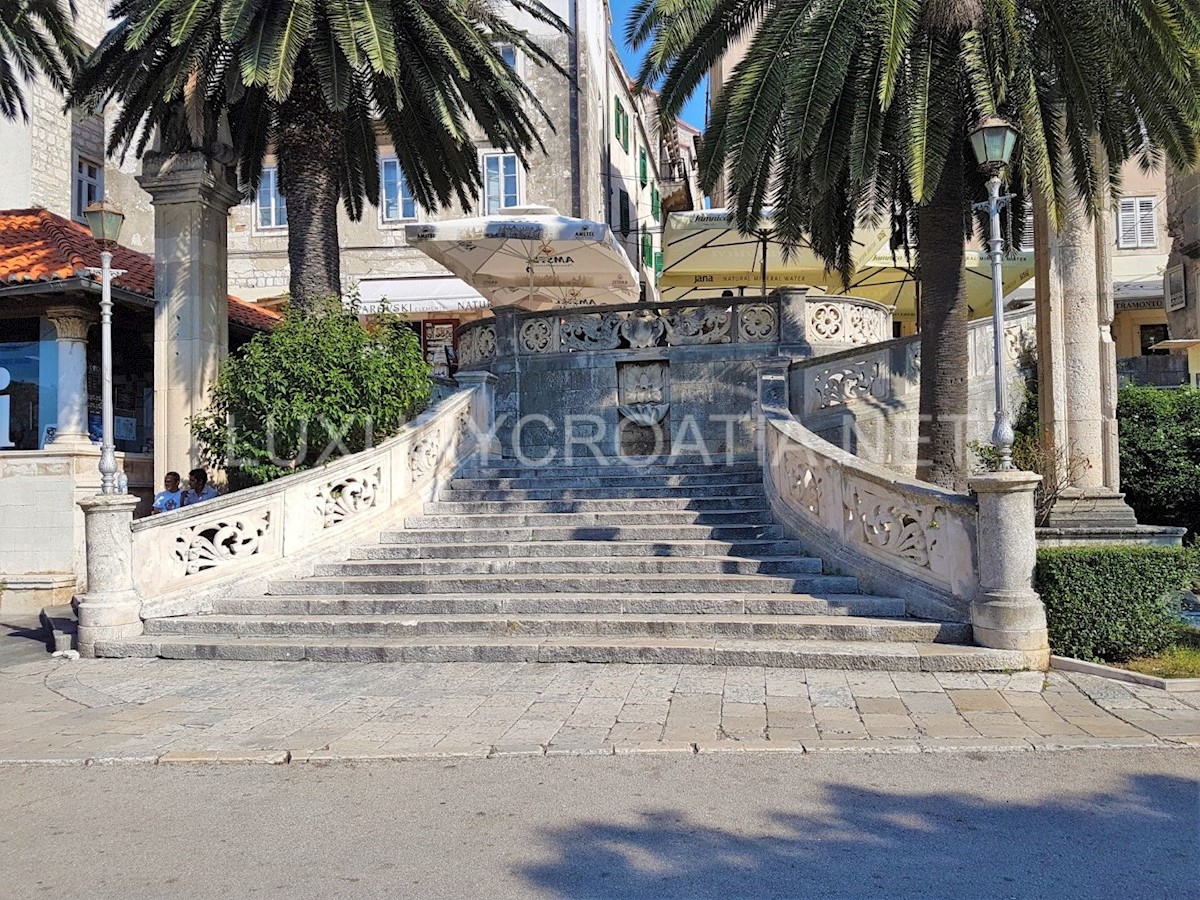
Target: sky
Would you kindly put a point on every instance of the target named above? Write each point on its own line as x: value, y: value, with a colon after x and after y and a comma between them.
x: 693, y: 112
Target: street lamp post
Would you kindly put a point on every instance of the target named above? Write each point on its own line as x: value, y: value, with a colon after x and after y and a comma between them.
x: 105, y: 223
x: 993, y: 141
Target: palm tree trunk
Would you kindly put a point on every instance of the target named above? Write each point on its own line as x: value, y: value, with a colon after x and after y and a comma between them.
x: 310, y: 159
x: 941, y: 230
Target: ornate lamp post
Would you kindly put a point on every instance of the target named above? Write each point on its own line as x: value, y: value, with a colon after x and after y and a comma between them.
x: 105, y: 222
x: 993, y: 141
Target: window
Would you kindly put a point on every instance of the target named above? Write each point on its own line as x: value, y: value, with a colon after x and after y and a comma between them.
x: 1137, y: 223
x: 1149, y: 335
x: 658, y: 264
x: 89, y: 184
x: 272, y: 206
x: 398, y: 202
x: 500, y: 186
x: 643, y: 167
x: 647, y: 248
x: 509, y: 54
x: 621, y: 123
x: 655, y: 202
x: 624, y: 212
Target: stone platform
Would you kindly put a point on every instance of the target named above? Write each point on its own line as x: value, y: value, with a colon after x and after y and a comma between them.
x: 150, y: 710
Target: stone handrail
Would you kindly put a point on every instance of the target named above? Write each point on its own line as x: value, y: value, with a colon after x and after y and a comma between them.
x: 896, y: 530
x: 826, y: 320
x: 189, y: 547
x: 891, y: 370
x: 950, y: 556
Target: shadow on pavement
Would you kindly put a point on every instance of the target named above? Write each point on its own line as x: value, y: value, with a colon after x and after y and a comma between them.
x: 1143, y: 841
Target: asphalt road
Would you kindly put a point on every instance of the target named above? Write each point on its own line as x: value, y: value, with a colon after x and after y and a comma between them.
x: 1122, y: 824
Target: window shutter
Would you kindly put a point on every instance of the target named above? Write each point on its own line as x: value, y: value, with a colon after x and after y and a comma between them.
x: 658, y: 264
x: 643, y: 167
x: 1147, y: 225
x: 655, y: 202
x: 624, y: 199
x: 1127, y: 223
x: 647, y: 248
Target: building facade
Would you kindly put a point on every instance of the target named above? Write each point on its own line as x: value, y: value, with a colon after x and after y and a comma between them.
x: 1181, y: 283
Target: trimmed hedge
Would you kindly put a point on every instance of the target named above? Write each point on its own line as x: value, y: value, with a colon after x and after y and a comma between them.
x: 1113, y: 603
x: 1160, y: 455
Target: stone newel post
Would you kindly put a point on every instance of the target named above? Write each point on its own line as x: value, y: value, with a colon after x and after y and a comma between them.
x: 1006, y: 612
x: 110, y: 608
x: 483, y: 414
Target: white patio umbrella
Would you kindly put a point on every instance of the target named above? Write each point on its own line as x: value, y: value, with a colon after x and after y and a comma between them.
x: 532, y: 256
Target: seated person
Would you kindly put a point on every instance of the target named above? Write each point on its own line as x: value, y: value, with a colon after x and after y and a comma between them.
x: 170, y: 498
x: 198, y: 488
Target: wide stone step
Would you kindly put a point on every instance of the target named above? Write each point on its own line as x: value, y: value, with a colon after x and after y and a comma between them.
x: 583, y: 468
x: 894, y: 656
x: 682, y: 549
x: 641, y: 494
x: 608, y: 584
x: 607, y: 504
x: 803, y: 627
x: 616, y: 519
x: 663, y: 533
x: 594, y: 565
x: 828, y: 604
x: 519, y: 482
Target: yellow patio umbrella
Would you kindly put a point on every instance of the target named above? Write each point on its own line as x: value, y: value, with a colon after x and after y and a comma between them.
x: 891, y: 279
x: 705, y: 255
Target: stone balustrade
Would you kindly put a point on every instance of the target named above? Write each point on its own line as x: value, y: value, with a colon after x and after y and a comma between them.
x: 951, y: 556
x: 175, y: 555
x: 825, y: 320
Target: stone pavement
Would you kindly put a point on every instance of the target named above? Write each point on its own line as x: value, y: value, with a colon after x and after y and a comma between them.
x: 150, y: 710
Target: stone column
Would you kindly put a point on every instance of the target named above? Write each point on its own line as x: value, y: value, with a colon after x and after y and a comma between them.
x: 483, y: 410
x: 1077, y: 378
x: 110, y: 608
x: 793, y: 321
x: 507, y: 367
x: 71, y: 324
x: 192, y: 196
x: 1006, y: 612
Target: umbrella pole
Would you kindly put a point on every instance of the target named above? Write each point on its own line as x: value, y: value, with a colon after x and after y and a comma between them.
x: 764, y: 265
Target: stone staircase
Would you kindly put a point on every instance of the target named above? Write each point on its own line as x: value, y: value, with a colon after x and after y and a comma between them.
x: 677, y: 563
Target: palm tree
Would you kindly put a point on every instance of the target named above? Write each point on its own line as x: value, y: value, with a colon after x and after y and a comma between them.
x: 309, y: 79
x: 35, y: 36
x: 849, y: 110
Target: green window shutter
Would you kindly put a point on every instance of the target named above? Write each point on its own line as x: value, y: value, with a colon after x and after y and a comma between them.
x: 617, y: 117
x: 624, y: 129
x: 655, y: 202
x: 643, y: 167
x: 647, y: 248
x: 624, y: 213
x: 658, y: 265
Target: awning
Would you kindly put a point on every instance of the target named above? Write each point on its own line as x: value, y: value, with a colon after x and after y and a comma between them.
x: 533, y: 257
x: 1177, y: 344
x: 418, y: 294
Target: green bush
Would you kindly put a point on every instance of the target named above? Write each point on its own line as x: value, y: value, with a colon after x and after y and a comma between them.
x: 1160, y: 455
x: 319, y: 386
x: 1113, y: 603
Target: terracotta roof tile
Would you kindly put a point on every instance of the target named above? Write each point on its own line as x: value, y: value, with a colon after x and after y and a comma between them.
x: 242, y: 312
x: 38, y: 246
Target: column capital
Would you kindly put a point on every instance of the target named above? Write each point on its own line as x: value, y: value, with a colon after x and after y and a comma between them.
x: 171, y: 178
x: 71, y: 323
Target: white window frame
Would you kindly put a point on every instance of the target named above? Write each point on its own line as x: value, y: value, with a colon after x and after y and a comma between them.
x: 1137, y: 223
x: 78, y: 180
x: 484, y: 156
x: 258, y: 223
x: 383, y: 216
x: 516, y: 55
